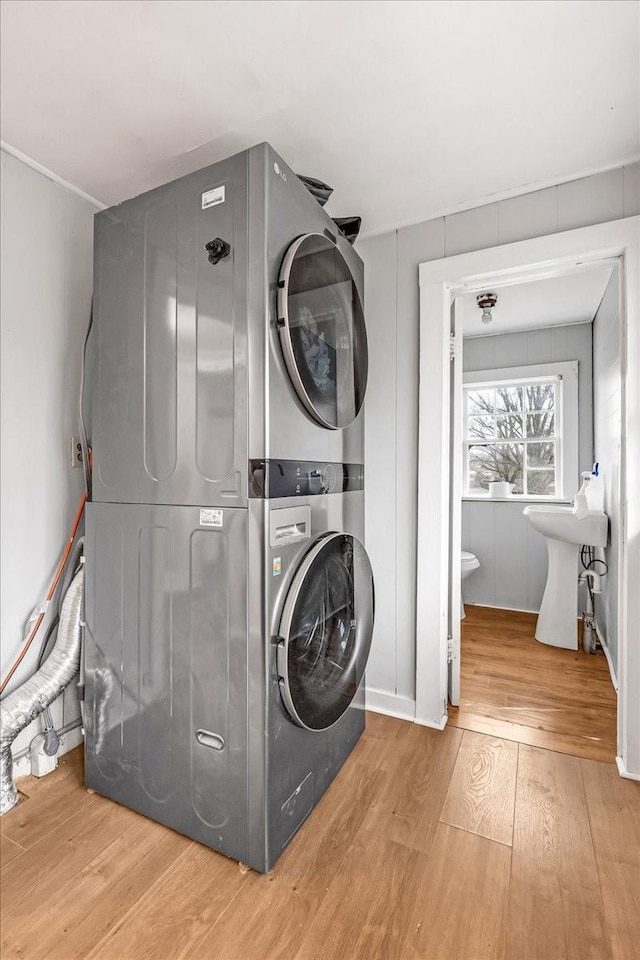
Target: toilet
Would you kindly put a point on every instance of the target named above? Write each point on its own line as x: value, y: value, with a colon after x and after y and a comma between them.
x: 469, y: 563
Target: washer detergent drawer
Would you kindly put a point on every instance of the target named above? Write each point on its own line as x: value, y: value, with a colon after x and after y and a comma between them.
x: 289, y: 525
x: 166, y: 668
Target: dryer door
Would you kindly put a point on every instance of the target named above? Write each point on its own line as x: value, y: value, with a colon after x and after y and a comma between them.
x: 326, y: 629
x: 322, y: 331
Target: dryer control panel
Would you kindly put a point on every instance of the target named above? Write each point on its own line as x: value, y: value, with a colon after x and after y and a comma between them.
x: 270, y: 479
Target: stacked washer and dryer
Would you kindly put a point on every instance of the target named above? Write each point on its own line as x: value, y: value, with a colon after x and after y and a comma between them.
x: 229, y: 599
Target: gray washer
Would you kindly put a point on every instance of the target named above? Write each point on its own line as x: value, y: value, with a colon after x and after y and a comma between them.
x: 186, y: 720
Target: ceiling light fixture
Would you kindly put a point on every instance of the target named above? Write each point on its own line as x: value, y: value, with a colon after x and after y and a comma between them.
x: 486, y: 302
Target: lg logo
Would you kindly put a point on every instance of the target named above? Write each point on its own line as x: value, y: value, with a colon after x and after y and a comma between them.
x: 280, y: 172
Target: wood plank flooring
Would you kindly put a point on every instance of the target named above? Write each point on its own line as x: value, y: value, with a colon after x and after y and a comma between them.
x: 481, y: 793
x: 429, y: 845
x: 514, y: 687
x: 555, y: 894
x: 614, y: 817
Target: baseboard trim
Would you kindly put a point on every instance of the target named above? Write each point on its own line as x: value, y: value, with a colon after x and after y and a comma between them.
x: 493, y: 606
x: 70, y: 736
x: 434, y: 724
x: 390, y: 704
x: 622, y: 770
x: 605, y: 647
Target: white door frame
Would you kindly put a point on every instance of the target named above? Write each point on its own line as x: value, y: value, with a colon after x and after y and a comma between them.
x: 510, y: 263
x: 455, y: 506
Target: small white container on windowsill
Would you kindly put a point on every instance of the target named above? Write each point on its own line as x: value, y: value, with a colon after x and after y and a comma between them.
x: 500, y: 488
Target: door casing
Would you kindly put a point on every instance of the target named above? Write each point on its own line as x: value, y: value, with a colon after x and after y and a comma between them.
x: 440, y: 281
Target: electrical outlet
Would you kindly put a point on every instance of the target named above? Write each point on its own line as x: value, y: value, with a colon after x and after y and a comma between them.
x: 76, y: 452
x: 41, y: 762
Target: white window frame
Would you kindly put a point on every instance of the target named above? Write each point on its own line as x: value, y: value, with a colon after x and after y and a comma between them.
x: 566, y: 412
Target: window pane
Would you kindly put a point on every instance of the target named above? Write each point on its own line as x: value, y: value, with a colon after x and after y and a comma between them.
x: 541, y: 424
x: 541, y: 482
x: 480, y: 401
x: 509, y: 428
x: 503, y: 419
x: 496, y: 461
x: 540, y: 396
x: 508, y: 399
x: 482, y: 428
x: 541, y: 455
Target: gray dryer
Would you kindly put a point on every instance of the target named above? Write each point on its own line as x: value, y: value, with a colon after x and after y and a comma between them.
x: 228, y: 327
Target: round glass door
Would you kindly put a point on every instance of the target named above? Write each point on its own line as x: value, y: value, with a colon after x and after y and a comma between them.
x: 326, y: 629
x: 322, y: 331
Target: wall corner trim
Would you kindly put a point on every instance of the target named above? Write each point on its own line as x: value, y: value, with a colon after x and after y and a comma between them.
x: 622, y: 770
x: 521, y: 190
x: 50, y: 175
x: 434, y: 724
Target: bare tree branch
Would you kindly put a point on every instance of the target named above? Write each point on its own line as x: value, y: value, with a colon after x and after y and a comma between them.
x: 500, y: 419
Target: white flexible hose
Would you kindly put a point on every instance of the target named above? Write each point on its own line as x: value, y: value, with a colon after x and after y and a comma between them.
x: 30, y: 699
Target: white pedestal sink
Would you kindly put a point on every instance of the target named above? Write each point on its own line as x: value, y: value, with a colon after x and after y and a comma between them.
x: 564, y: 532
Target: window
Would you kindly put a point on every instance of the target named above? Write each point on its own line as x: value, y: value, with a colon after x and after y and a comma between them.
x: 521, y: 428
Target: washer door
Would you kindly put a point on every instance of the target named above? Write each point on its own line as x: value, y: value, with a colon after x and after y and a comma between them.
x: 322, y: 330
x: 326, y: 629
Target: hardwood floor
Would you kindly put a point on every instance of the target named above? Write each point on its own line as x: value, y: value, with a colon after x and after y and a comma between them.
x: 429, y: 845
x: 513, y: 687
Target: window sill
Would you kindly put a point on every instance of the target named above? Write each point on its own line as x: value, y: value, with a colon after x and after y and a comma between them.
x: 516, y: 499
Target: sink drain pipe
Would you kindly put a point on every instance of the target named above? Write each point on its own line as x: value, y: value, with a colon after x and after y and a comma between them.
x: 589, y: 629
x: 24, y: 704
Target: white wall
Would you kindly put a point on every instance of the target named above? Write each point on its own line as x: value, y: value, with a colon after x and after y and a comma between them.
x: 47, y: 276
x: 513, y: 556
x: 391, y: 305
x: 607, y: 386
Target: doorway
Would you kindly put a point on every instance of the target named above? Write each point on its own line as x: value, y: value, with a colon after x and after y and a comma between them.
x: 534, y: 356
x: 441, y: 283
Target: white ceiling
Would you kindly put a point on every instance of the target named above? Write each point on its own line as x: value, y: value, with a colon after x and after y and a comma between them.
x: 406, y: 108
x: 573, y: 297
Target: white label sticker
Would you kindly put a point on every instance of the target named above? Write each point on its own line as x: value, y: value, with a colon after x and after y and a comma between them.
x: 211, y: 197
x: 210, y: 518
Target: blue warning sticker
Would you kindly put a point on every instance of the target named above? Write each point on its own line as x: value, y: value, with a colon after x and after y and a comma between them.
x: 277, y: 566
